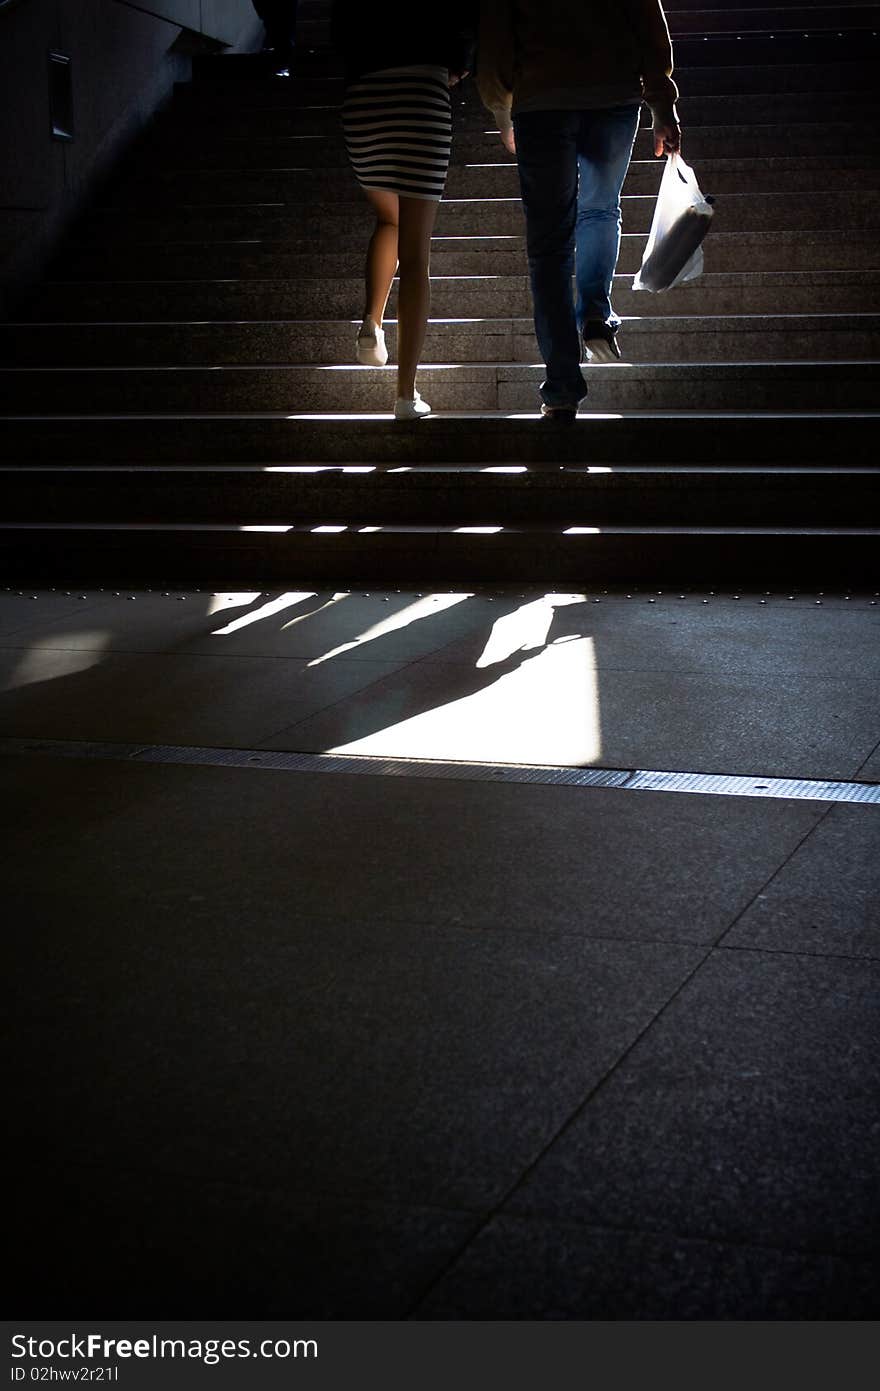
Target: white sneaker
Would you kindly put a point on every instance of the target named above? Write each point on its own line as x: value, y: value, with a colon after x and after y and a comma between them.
x: 371, y: 350
x: 410, y: 410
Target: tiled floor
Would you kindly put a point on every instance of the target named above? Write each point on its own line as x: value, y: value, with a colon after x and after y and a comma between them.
x: 382, y: 1047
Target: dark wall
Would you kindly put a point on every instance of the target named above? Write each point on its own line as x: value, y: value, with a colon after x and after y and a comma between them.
x: 124, y: 57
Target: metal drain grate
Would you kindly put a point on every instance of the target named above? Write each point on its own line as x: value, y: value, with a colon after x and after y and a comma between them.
x: 281, y: 761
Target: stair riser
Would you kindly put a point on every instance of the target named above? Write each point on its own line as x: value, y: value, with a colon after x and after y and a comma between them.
x: 202, y: 150
x: 507, y: 297
x: 131, y: 559
x: 727, y: 252
x: 318, y: 111
x: 230, y: 344
x: 772, y: 19
x: 687, y: 6
x: 314, y: 32
x: 683, y: 23
x: 347, y: 225
x: 647, y: 439
x: 432, y: 499
x: 492, y: 180
x: 743, y: 212
x: 314, y: 70
x: 475, y: 389
x: 785, y: 49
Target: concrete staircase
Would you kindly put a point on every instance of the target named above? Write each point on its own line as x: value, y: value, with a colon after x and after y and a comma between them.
x: 181, y: 404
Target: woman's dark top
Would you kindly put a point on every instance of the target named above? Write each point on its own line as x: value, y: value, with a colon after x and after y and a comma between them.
x: 375, y: 34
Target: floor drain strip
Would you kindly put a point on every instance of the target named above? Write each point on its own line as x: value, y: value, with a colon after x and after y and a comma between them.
x: 626, y: 779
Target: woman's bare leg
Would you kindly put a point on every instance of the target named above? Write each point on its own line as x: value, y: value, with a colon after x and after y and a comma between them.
x: 416, y: 223
x: 381, y: 265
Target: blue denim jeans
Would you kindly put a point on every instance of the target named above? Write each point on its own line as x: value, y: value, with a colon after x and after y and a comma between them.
x: 572, y: 165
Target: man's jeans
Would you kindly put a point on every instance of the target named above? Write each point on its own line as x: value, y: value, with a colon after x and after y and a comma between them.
x: 572, y: 165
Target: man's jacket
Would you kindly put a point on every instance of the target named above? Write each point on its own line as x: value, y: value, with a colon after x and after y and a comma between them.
x: 538, y: 55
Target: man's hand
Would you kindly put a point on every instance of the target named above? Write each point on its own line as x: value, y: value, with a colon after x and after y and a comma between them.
x: 505, y: 130
x: 667, y: 131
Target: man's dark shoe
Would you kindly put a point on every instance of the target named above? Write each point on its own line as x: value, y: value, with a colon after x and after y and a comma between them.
x: 600, y: 342
x: 558, y: 415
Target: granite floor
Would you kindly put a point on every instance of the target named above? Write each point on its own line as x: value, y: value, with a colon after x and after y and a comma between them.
x: 384, y: 1046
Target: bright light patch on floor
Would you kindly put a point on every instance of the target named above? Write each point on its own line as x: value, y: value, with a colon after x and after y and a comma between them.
x: 505, y: 468
x: 477, y: 530
x: 313, y: 613
x: 266, y: 528
x: 427, y: 607
x: 581, y: 531
x: 221, y: 602
x: 50, y: 663
x: 284, y: 601
x: 364, y: 530
x: 525, y: 630
x: 546, y: 711
x: 328, y: 530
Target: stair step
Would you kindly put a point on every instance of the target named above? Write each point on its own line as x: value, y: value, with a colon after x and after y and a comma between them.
x: 195, y: 147
x: 314, y: 32
x: 498, y: 178
x: 216, y: 556
x: 695, y: 338
x: 504, y: 387
x: 681, y: 6
x: 743, y: 212
x: 450, y: 256
x: 287, y: 438
x: 769, y: 19
x: 831, y: 44
x: 762, y: 292
x: 452, y: 494
x: 317, y: 110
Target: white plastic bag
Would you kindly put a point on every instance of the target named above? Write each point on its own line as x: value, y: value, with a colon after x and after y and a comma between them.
x: 682, y: 217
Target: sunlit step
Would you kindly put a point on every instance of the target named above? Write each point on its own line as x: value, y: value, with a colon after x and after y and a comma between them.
x: 760, y: 386
x: 454, y: 493
x: 502, y: 437
x: 694, y: 338
x: 575, y: 555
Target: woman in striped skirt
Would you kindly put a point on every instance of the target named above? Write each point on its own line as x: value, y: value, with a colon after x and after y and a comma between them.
x: 397, y: 124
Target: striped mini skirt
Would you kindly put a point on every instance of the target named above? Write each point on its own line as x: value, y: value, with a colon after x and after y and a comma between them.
x: 397, y: 125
